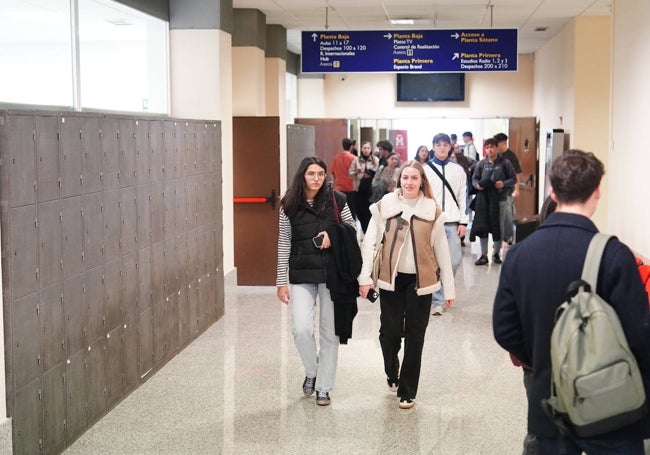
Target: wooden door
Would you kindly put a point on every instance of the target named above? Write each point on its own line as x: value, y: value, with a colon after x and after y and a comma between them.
x: 256, y: 183
x: 522, y: 140
x: 329, y: 134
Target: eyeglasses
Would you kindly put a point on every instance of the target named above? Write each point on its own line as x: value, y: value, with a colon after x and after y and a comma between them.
x: 317, y: 175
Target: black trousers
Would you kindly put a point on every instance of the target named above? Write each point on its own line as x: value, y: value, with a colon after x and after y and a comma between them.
x: 403, y: 313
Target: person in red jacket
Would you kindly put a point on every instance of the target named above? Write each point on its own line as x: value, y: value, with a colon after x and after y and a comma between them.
x: 343, y: 182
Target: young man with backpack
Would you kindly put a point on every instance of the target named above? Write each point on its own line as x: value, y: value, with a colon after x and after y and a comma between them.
x: 533, y: 284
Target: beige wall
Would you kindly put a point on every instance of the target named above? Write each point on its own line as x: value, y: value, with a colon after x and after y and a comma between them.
x: 372, y: 95
x: 572, y: 91
x: 248, y: 81
x: 627, y: 170
x: 276, y: 105
x: 201, y: 87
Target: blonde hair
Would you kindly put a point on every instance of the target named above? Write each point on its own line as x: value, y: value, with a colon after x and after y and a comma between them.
x: 426, y: 188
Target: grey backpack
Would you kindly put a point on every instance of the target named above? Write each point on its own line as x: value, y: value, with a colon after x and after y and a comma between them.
x: 596, y: 386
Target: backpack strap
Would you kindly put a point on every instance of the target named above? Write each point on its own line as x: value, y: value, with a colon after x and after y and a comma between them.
x: 593, y: 258
x: 444, y: 181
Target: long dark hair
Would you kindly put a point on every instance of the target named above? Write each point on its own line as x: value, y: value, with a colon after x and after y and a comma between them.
x: 294, y: 199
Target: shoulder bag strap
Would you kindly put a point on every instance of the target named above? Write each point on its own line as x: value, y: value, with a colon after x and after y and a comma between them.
x: 444, y: 180
x: 337, y: 212
x: 593, y: 258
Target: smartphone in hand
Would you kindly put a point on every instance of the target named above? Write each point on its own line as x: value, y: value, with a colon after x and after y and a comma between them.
x: 372, y: 295
x: 318, y: 241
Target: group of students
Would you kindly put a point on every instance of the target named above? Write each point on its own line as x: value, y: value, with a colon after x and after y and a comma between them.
x: 409, y: 228
x: 417, y: 223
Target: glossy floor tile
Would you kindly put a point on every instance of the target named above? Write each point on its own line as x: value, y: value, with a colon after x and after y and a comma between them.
x: 237, y: 388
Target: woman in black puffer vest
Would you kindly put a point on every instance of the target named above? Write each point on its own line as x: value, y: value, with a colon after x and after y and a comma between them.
x: 306, y: 212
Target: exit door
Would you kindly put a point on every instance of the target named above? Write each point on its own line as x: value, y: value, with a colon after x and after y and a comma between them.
x: 256, y: 183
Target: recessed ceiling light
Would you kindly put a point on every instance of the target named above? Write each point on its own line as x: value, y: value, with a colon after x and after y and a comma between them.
x: 541, y: 29
x: 402, y: 21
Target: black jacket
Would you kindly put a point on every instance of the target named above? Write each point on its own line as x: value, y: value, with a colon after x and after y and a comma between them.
x: 343, y: 268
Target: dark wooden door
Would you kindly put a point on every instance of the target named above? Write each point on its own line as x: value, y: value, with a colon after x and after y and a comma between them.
x: 256, y: 185
x: 522, y: 139
x: 329, y: 134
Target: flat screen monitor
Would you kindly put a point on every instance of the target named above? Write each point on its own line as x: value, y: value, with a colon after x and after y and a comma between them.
x: 431, y: 87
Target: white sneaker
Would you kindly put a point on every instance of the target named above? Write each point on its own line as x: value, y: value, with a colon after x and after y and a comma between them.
x: 437, y: 311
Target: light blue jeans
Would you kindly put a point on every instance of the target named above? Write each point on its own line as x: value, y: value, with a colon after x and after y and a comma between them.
x: 318, y: 363
x: 456, y: 253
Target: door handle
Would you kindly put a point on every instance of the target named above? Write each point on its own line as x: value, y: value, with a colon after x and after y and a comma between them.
x: 257, y: 200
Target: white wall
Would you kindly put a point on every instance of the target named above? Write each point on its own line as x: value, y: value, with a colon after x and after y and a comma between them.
x: 627, y: 171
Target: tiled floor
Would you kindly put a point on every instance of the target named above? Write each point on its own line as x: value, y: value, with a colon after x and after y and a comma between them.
x: 237, y: 389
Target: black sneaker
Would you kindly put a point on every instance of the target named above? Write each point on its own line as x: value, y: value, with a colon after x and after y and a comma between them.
x: 496, y: 259
x: 322, y: 398
x: 392, y: 384
x: 483, y: 260
x: 308, y: 386
x: 406, y: 403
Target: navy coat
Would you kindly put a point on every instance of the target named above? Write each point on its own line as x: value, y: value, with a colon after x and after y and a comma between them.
x: 533, y: 283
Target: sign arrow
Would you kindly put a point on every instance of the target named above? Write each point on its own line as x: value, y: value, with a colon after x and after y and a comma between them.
x: 314, y: 36
x: 389, y: 36
x: 455, y: 56
x: 455, y: 35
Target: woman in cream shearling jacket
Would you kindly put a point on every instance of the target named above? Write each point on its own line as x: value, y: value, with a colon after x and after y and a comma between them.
x: 415, y: 262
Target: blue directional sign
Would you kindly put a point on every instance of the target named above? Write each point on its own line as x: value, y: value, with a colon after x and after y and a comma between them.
x: 409, y: 51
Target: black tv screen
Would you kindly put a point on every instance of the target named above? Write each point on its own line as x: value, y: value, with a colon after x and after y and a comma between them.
x: 431, y: 87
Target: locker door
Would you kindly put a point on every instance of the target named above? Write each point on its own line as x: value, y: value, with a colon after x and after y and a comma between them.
x: 142, y: 152
x: 169, y: 196
x: 112, y: 232
x: 158, y: 272
x: 156, y: 146
x: 91, y: 156
x: 96, y: 380
x: 50, y: 231
x: 91, y: 214
x: 129, y: 272
x: 191, y: 164
x: 110, y: 154
x: 145, y: 292
x: 52, y: 326
x: 70, y: 156
x: 26, y: 344
x: 113, y: 295
x: 28, y: 429
x: 126, y: 138
x: 75, y: 374
x: 47, y: 158
x: 170, y: 169
x: 130, y: 341
x: 94, y: 303
x: 54, y: 409
x: 170, y: 282
x: 145, y: 332
x: 114, y: 366
x: 143, y: 209
x: 128, y: 213
x: 157, y: 212
x: 74, y: 314
x: 21, y: 158
x: 183, y: 304
x: 159, y: 325
x: 72, y: 237
x: 24, y: 251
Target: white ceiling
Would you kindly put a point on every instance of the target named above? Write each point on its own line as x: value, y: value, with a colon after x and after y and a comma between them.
x: 348, y: 15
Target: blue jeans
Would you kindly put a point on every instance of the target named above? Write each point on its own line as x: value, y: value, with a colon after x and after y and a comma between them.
x: 575, y: 446
x: 456, y: 253
x: 318, y: 363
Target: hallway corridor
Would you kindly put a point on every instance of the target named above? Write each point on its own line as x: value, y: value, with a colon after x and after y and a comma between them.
x: 237, y: 388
